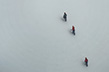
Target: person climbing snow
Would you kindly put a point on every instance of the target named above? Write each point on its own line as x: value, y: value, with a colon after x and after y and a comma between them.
x: 73, y: 30
x: 86, y: 61
x: 65, y: 16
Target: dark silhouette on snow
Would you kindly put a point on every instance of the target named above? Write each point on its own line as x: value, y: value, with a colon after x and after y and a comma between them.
x: 86, y: 61
x: 73, y: 30
x: 65, y: 16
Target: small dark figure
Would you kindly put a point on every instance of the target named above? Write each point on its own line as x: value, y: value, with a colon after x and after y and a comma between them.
x: 65, y: 16
x: 86, y: 61
x: 73, y: 30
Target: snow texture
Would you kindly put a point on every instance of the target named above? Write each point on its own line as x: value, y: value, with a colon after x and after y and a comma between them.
x: 34, y: 37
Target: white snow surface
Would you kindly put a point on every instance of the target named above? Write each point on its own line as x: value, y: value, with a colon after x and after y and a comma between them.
x: 34, y: 37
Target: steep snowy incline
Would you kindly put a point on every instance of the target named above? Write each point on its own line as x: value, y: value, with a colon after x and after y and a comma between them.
x: 34, y: 37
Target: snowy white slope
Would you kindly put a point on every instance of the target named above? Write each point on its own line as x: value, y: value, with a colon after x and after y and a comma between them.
x: 34, y: 38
